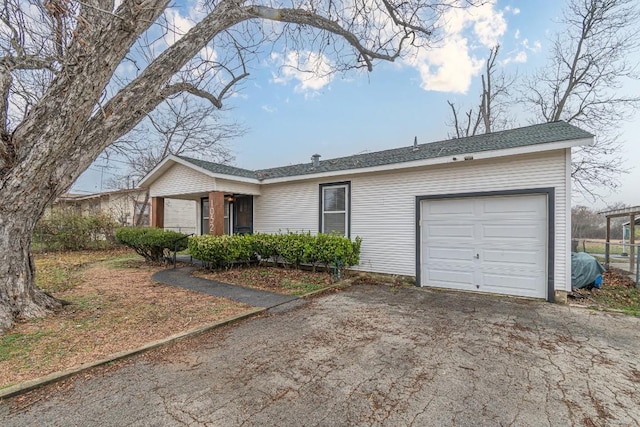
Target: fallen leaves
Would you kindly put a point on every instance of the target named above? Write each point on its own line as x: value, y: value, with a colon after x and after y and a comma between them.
x: 618, y: 292
x: 275, y: 279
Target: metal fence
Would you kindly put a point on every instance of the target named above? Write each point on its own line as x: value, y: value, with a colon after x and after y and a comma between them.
x: 614, y: 254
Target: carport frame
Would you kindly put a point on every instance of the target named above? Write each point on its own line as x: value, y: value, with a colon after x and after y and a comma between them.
x: 548, y: 191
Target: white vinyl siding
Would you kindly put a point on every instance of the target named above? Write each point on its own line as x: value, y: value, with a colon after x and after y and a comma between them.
x: 233, y: 187
x: 287, y: 207
x: 181, y: 180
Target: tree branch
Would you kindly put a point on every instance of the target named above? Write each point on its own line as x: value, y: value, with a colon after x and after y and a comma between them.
x: 190, y: 88
x: 304, y: 17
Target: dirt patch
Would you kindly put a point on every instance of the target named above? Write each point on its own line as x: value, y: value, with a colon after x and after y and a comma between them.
x: 286, y: 281
x: 113, y: 306
x: 618, y: 292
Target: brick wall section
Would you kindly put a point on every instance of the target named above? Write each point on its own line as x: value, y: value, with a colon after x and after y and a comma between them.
x: 216, y: 213
x: 157, y: 212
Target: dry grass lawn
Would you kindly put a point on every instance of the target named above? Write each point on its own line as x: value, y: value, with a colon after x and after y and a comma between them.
x: 113, y: 306
x: 287, y: 281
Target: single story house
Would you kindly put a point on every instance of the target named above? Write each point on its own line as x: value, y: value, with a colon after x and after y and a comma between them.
x: 488, y: 213
x: 126, y: 206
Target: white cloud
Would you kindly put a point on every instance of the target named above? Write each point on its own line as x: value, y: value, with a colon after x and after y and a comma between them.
x: 451, y: 65
x: 449, y: 68
x: 177, y: 26
x: 514, y: 10
x: 269, y: 108
x: 311, y: 71
x: 519, y: 58
x: 517, y: 34
x: 535, y: 48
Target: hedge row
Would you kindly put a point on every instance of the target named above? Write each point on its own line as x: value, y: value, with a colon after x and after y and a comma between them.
x: 151, y: 242
x: 290, y: 248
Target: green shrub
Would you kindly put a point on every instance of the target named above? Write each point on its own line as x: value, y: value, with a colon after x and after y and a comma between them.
x: 296, y: 248
x: 333, y: 249
x: 290, y: 248
x: 151, y: 242
x: 70, y: 230
x: 221, y: 251
x: 265, y: 246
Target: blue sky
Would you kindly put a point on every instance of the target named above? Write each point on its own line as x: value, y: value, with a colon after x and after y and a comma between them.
x: 289, y: 117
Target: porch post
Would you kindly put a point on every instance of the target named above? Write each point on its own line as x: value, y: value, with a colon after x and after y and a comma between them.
x: 632, y: 241
x: 216, y: 213
x: 607, y: 247
x: 157, y: 212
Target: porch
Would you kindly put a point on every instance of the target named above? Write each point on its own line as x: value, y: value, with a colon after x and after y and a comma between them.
x: 217, y: 212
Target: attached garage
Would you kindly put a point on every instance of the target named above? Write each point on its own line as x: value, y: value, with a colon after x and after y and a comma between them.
x: 488, y: 242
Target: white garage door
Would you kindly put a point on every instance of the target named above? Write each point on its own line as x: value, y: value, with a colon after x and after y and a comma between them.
x: 492, y: 244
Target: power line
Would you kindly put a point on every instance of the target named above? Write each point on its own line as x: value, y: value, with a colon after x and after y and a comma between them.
x: 117, y: 161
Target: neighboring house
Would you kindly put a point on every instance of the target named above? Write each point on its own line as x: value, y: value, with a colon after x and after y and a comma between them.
x: 126, y: 206
x: 489, y: 213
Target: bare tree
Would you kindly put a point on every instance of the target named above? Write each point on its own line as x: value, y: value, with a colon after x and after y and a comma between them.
x: 83, y: 51
x: 491, y: 113
x: 180, y: 125
x: 582, y: 81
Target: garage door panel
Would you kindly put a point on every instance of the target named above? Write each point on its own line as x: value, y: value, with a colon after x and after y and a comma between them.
x: 451, y: 208
x: 502, y: 248
x: 447, y: 254
x: 446, y: 277
x: 510, y: 257
x: 522, y: 231
x: 513, y: 284
x: 450, y: 231
x: 526, y: 207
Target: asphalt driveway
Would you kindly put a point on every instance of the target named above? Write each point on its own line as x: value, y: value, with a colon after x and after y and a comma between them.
x: 373, y: 355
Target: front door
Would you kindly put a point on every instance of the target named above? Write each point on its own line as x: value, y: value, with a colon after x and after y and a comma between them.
x: 243, y: 215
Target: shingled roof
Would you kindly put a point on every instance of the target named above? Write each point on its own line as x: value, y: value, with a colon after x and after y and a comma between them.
x: 220, y: 168
x: 513, y: 138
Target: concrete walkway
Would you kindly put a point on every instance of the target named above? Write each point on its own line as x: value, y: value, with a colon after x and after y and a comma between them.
x: 182, y: 278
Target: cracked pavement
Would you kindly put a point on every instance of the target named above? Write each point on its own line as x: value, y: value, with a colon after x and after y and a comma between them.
x: 373, y: 355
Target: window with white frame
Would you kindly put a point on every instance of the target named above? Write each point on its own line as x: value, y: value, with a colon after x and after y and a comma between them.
x: 334, y: 208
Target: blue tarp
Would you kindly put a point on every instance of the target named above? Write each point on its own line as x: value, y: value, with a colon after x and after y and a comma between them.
x: 585, y: 269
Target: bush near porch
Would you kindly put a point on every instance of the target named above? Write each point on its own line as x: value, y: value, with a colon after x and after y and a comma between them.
x: 290, y: 248
x: 151, y: 243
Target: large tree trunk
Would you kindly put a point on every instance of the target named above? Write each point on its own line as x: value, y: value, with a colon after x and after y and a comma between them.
x: 19, y: 296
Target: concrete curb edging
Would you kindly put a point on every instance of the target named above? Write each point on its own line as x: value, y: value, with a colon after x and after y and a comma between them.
x: 26, y: 386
